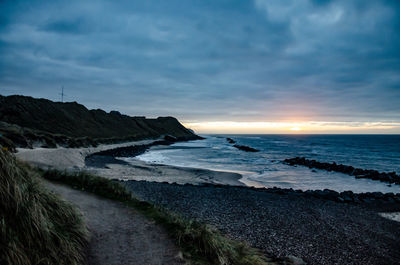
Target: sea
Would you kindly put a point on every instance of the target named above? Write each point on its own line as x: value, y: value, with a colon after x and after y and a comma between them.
x: 266, y: 169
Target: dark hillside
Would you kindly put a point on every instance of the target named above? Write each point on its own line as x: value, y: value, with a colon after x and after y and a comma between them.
x: 75, y: 120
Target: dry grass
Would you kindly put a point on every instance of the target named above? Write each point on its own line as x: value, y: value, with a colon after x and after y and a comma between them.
x: 36, y: 226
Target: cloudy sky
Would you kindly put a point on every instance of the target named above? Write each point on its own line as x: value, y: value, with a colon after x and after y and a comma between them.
x: 217, y: 65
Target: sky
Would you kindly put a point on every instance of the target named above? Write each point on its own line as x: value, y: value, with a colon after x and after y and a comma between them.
x: 219, y: 66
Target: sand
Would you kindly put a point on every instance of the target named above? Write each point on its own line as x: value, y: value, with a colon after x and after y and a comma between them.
x: 66, y: 158
x: 73, y: 159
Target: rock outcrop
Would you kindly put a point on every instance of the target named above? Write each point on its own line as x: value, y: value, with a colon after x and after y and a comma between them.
x: 245, y: 148
x: 241, y: 147
x: 231, y: 141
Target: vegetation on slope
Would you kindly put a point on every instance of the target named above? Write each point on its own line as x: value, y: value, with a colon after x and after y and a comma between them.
x: 12, y: 136
x: 75, y: 120
x: 201, y: 243
x: 36, y: 226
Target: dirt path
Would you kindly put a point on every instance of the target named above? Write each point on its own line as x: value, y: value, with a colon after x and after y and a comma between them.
x: 119, y: 235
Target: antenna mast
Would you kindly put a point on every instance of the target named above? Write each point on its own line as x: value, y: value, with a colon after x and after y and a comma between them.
x: 62, y: 94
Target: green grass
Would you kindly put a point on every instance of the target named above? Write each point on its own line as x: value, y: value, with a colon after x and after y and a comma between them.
x: 36, y: 226
x: 200, y: 243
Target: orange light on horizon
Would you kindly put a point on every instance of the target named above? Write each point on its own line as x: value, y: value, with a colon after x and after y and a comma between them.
x: 295, y: 129
x: 310, y: 127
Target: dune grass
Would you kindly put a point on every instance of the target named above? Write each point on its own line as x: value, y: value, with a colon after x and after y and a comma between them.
x: 200, y: 243
x: 36, y: 226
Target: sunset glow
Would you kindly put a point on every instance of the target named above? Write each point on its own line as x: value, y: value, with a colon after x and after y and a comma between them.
x: 311, y: 127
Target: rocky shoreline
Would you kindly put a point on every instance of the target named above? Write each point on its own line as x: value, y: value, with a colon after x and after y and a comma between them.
x: 390, y: 177
x: 375, y: 200
x: 321, y: 227
x: 386, y: 200
x: 370, y: 199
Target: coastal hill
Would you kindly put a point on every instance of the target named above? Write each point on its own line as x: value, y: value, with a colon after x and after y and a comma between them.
x: 26, y: 119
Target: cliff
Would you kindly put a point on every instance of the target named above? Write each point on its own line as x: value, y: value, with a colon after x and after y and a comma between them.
x: 37, y: 117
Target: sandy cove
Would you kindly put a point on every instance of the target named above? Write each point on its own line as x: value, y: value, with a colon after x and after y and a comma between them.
x: 73, y: 159
x: 66, y: 158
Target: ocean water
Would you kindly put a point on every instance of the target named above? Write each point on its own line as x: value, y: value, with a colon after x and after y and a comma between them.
x: 265, y: 168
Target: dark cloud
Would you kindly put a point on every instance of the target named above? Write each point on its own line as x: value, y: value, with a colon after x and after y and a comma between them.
x: 76, y: 26
x: 321, y: 2
x: 334, y: 60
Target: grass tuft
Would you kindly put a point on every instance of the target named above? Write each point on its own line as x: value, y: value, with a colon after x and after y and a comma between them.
x: 36, y: 226
x: 202, y: 244
x: 84, y: 181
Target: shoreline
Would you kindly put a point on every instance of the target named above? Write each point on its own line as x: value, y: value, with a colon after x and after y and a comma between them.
x: 117, y: 161
x: 278, y: 221
x: 377, y: 201
x: 85, y: 159
x: 135, y: 169
x: 263, y: 170
x: 121, y: 163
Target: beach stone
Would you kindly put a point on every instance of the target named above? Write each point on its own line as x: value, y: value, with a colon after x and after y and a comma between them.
x: 347, y: 196
x: 340, y: 199
x: 347, y: 199
x: 368, y: 200
x: 378, y: 195
x: 391, y: 200
x: 295, y: 260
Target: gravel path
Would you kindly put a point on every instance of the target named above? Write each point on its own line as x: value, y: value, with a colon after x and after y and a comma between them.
x: 119, y: 235
x: 317, y: 230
